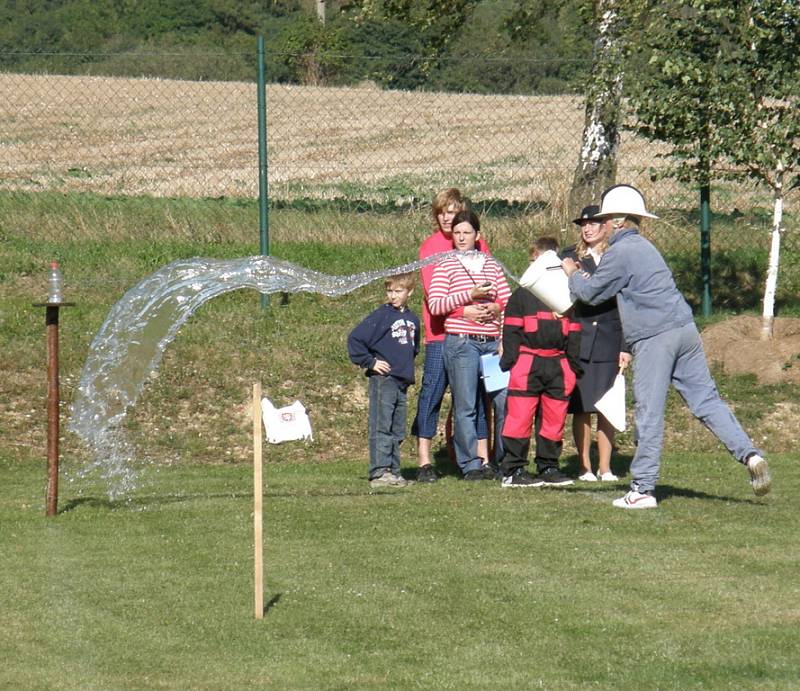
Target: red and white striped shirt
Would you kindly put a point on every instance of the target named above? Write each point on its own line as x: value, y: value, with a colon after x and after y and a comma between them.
x: 451, y: 287
x: 433, y: 244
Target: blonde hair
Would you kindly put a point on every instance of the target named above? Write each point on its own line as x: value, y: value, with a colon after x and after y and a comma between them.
x: 617, y: 223
x: 582, y: 249
x: 443, y: 199
x: 407, y: 281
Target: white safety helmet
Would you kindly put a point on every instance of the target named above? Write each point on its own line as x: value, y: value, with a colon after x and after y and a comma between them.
x: 623, y: 200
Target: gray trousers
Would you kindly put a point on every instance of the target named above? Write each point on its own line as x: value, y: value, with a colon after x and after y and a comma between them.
x: 676, y: 356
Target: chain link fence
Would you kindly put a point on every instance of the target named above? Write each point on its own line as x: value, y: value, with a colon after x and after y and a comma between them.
x: 356, y: 149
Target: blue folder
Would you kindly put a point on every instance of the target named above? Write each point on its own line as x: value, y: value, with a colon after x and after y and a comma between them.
x: 494, y: 378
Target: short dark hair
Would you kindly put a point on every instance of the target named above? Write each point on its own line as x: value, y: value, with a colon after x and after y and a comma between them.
x: 542, y: 244
x: 467, y: 216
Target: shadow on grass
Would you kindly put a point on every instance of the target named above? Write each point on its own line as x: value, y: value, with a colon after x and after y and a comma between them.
x: 620, y: 464
x: 92, y: 502
x: 664, y: 492
x: 446, y: 466
x: 146, y: 501
x: 272, y: 602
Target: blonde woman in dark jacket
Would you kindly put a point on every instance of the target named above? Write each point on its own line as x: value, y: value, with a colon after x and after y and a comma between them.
x: 602, y: 354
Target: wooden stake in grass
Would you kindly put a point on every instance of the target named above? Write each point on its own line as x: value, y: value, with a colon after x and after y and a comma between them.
x: 257, y: 504
x: 53, y: 403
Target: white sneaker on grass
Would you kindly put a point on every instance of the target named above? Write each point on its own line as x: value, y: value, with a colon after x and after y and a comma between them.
x: 607, y: 477
x: 588, y: 476
x: 760, y: 479
x: 389, y: 480
x: 636, y: 500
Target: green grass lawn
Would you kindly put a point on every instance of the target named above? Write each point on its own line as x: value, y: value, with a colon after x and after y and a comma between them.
x: 453, y: 585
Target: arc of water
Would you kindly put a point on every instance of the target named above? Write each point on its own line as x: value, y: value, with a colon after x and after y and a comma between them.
x: 128, y: 348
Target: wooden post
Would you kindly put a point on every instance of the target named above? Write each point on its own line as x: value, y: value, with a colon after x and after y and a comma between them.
x: 53, y: 403
x: 257, y: 504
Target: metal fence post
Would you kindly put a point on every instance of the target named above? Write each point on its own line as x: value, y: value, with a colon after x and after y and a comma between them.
x: 263, y: 190
x: 705, y: 247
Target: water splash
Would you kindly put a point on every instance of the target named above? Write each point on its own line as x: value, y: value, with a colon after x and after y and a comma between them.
x: 128, y: 348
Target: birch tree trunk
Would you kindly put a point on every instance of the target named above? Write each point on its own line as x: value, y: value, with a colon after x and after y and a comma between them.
x: 768, y: 315
x: 597, y: 164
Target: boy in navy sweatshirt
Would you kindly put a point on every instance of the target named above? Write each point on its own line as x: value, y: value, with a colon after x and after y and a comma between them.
x: 385, y: 345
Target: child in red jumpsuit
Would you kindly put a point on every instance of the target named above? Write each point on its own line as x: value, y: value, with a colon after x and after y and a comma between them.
x: 541, y: 348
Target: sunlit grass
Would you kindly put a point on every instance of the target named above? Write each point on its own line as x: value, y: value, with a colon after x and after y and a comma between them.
x: 491, y: 588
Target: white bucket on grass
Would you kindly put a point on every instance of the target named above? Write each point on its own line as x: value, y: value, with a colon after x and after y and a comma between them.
x: 547, y: 281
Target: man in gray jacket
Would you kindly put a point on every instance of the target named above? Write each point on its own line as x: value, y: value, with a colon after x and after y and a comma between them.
x: 659, y: 329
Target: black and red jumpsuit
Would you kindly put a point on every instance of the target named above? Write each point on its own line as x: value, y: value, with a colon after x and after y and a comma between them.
x: 541, y: 349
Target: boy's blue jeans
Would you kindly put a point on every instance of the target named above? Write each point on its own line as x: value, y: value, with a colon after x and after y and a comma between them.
x: 387, y: 424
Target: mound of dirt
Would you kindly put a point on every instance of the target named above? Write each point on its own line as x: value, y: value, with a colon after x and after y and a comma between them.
x: 736, y: 345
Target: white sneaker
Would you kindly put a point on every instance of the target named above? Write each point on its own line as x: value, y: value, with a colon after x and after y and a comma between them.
x: 636, y: 500
x: 588, y: 476
x: 760, y: 479
x: 389, y: 480
x: 607, y: 477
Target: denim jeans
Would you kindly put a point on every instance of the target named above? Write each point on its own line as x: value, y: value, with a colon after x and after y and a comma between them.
x: 387, y: 424
x: 676, y: 356
x: 431, y: 393
x: 462, y: 360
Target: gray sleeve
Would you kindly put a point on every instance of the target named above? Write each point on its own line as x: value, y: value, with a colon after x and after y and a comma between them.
x: 610, y: 277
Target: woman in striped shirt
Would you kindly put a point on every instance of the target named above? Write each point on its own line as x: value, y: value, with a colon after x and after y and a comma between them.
x: 468, y: 278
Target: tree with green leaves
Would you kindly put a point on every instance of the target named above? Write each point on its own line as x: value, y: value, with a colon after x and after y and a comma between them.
x: 557, y: 37
x: 433, y: 21
x: 722, y: 88
x: 765, y: 128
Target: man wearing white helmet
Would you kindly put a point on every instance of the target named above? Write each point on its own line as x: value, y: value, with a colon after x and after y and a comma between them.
x: 659, y: 329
